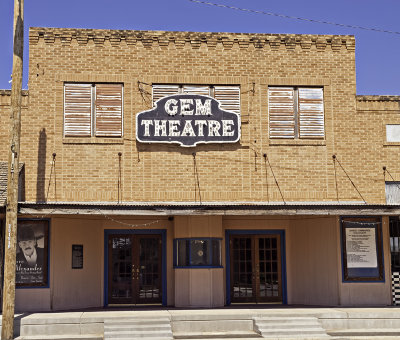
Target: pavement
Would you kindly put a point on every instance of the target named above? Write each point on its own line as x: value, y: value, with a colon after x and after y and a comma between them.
x: 337, y: 323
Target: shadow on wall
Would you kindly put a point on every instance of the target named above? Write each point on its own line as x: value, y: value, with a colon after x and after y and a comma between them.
x: 41, y: 167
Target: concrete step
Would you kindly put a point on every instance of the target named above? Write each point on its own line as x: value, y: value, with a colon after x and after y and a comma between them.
x: 60, y: 337
x: 289, y: 327
x: 222, y: 337
x: 136, y: 321
x: 139, y: 334
x: 137, y: 328
x: 366, y: 332
x: 286, y: 319
x: 293, y: 325
x: 217, y: 335
x: 288, y: 331
x: 129, y: 327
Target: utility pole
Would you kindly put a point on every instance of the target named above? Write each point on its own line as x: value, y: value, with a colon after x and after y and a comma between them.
x: 10, y: 239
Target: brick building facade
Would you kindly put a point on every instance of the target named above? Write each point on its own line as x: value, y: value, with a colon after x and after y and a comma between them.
x: 266, y: 219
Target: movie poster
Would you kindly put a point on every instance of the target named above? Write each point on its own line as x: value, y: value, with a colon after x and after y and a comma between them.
x: 32, y: 253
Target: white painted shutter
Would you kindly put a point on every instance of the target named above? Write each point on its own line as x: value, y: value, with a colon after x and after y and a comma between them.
x: 281, y: 112
x: 108, y: 110
x: 392, y: 190
x: 311, y: 113
x: 196, y: 89
x: 77, y: 110
x: 229, y: 97
x: 160, y: 91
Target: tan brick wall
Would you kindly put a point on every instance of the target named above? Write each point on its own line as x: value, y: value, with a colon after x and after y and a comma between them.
x: 87, y: 170
x: 5, y: 113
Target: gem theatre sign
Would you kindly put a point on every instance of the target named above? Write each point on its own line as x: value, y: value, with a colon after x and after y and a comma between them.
x: 187, y: 120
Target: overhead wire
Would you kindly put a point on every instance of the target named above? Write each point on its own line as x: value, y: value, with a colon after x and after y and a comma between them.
x: 297, y: 18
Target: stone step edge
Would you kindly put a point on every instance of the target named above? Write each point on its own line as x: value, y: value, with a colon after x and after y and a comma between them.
x: 365, y: 332
x: 208, y: 335
x: 60, y: 337
x: 297, y: 331
x: 290, y: 325
x: 138, y: 327
x: 137, y: 319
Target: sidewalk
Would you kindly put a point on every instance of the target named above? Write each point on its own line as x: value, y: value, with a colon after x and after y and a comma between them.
x: 231, y: 323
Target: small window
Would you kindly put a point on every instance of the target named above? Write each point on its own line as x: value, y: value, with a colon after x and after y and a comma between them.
x: 392, y: 191
x: 393, y: 132
x: 93, y: 110
x: 198, y: 252
x: 227, y: 95
x: 296, y: 112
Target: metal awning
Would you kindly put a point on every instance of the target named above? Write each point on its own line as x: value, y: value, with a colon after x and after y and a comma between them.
x: 209, y: 208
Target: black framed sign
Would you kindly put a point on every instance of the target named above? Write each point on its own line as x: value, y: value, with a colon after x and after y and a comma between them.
x: 32, y: 253
x: 187, y: 120
x: 77, y: 256
x: 362, y: 254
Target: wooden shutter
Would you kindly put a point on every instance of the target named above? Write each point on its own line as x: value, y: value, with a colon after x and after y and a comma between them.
x: 77, y: 110
x: 160, y: 91
x: 196, y: 89
x: 109, y: 110
x: 229, y: 97
x: 311, y: 113
x: 281, y: 112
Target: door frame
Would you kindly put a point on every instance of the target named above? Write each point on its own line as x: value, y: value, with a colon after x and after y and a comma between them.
x: 230, y: 232
x: 162, y: 232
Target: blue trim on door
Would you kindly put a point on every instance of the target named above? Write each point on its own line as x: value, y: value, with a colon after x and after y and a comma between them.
x: 230, y: 232
x: 162, y: 232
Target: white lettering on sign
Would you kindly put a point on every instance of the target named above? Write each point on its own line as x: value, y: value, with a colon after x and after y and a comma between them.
x: 188, y: 129
x: 187, y: 119
x: 173, y: 128
x: 203, y: 109
x: 226, y: 127
x: 200, y: 123
x: 147, y: 123
x: 185, y: 107
x: 171, y: 110
x: 160, y: 125
x: 213, y: 127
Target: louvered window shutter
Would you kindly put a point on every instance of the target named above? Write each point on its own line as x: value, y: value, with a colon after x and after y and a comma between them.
x: 77, y: 110
x: 160, y: 91
x: 229, y: 97
x: 311, y: 113
x: 281, y: 112
x: 109, y: 110
x: 196, y: 89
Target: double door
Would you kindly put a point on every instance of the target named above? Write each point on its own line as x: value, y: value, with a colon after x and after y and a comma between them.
x: 255, y: 265
x: 134, y: 269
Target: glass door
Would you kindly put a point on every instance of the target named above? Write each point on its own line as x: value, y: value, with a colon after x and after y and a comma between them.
x: 256, y: 275
x: 134, y: 269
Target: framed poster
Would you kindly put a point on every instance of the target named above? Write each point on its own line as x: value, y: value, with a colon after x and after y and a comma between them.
x: 32, y: 253
x: 77, y: 256
x: 362, y: 249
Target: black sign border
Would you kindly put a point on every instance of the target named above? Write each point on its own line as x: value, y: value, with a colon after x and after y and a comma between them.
x: 180, y: 143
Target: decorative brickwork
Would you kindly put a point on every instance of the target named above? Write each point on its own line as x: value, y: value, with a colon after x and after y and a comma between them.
x: 227, y: 40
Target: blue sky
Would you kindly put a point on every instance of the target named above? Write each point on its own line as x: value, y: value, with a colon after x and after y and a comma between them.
x: 377, y: 54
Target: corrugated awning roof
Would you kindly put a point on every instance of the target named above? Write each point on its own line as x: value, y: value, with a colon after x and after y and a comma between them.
x: 208, y: 208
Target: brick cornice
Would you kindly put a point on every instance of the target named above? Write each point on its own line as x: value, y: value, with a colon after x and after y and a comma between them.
x: 163, y: 39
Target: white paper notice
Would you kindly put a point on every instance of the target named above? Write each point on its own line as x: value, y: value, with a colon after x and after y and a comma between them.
x: 361, y: 248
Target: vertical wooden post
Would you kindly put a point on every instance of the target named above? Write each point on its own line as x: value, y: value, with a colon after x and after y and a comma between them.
x: 13, y: 174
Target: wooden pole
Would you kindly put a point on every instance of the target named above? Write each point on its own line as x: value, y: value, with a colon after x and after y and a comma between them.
x: 13, y: 174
